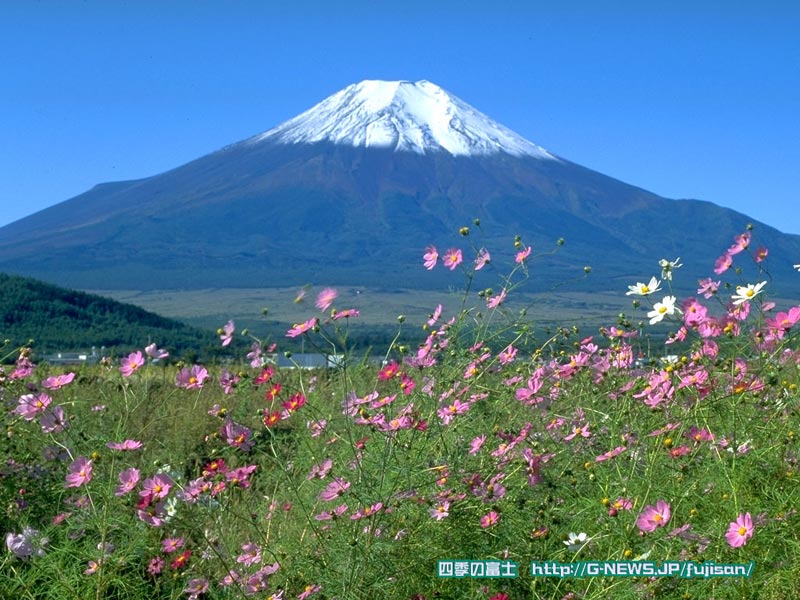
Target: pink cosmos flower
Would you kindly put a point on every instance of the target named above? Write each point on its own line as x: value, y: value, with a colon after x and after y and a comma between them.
x: 155, y: 566
x: 740, y: 531
x: 308, y: 590
x: 452, y: 258
x: 300, y: 329
x: 237, y: 436
x: 507, y: 356
x: 80, y: 472
x: 476, y: 444
x: 482, y: 258
x: 126, y: 445
x: 579, y: 431
x: 154, y: 515
x: 522, y: 255
x: 196, y: 587
x: 618, y: 505
x: 131, y: 363
x: 58, y: 381
x: 53, y: 420
x: 251, y: 554
x: 191, y: 379
x: 610, y: 454
x: 708, y: 287
x: 170, y: 545
x: 326, y: 298
x: 153, y: 351
x: 367, y: 511
x: 226, y: 334
x: 489, y: 519
x: 335, y: 489
x: 346, y: 314
x: 157, y: 487
x: 496, y: 301
x: 127, y: 481
x: 441, y: 510
x: 722, y: 264
x: 30, y: 405
x: 761, y: 254
x: 741, y: 242
x: 654, y: 516
x: 430, y: 257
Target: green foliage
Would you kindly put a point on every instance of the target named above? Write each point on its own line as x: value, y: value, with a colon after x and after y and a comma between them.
x: 59, y: 319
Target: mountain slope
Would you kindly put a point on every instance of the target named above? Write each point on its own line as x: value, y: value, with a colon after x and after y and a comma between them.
x: 321, y: 199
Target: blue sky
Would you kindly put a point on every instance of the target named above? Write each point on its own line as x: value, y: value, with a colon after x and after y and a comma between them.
x: 685, y: 99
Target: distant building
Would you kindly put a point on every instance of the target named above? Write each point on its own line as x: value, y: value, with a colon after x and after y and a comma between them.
x: 309, y: 361
x: 73, y: 358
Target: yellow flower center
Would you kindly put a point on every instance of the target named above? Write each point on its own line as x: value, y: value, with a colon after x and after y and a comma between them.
x: 742, y: 530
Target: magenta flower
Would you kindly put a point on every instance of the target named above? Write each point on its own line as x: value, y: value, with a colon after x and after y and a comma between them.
x: 131, y: 363
x: 482, y: 259
x: 452, y: 258
x: 251, y: 554
x: 367, y: 511
x: 237, y: 436
x: 58, y: 381
x: 226, y: 333
x: 489, y: 519
x: 654, y: 516
x: 80, y: 472
x: 346, y: 314
x: 170, y: 545
x: 191, y: 379
x: 127, y: 481
x: 522, y: 255
x: 740, y: 531
x: 496, y: 301
x: 300, y: 329
x: 476, y: 444
x: 126, y: 445
x: 722, y: 264
x: 430, y: 257
x: 335, y: 489
x: 708, y: 287
x: 325, y: 299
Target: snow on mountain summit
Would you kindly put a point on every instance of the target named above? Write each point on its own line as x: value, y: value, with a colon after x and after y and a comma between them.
x: 405, y: 116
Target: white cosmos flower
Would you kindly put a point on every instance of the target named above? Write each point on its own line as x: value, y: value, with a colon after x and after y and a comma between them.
x: 668, y: 266
x: 642, y: 289
x: 745, y: 293
x: 662, y: 309
x: 576, y: 541
x: 796, y: 267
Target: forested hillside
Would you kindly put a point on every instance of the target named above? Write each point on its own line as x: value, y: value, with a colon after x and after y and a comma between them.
x: 59, y: 319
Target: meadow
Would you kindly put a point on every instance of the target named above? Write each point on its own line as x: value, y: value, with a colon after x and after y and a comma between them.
x: 479, y: 464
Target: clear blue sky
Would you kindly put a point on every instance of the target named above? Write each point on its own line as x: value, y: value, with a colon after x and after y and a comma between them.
x: 685, y: 99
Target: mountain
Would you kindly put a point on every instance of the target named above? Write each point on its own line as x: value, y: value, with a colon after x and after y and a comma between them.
x: 59, y: 319
x: 351, y: 192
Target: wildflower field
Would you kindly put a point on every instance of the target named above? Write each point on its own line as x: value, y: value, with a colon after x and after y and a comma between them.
x: 452, y: 469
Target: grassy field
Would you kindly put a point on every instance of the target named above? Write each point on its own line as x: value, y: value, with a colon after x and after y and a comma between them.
x: 482, y: 463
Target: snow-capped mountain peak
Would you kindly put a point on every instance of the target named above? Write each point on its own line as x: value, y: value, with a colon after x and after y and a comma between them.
x: 405, y: 116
